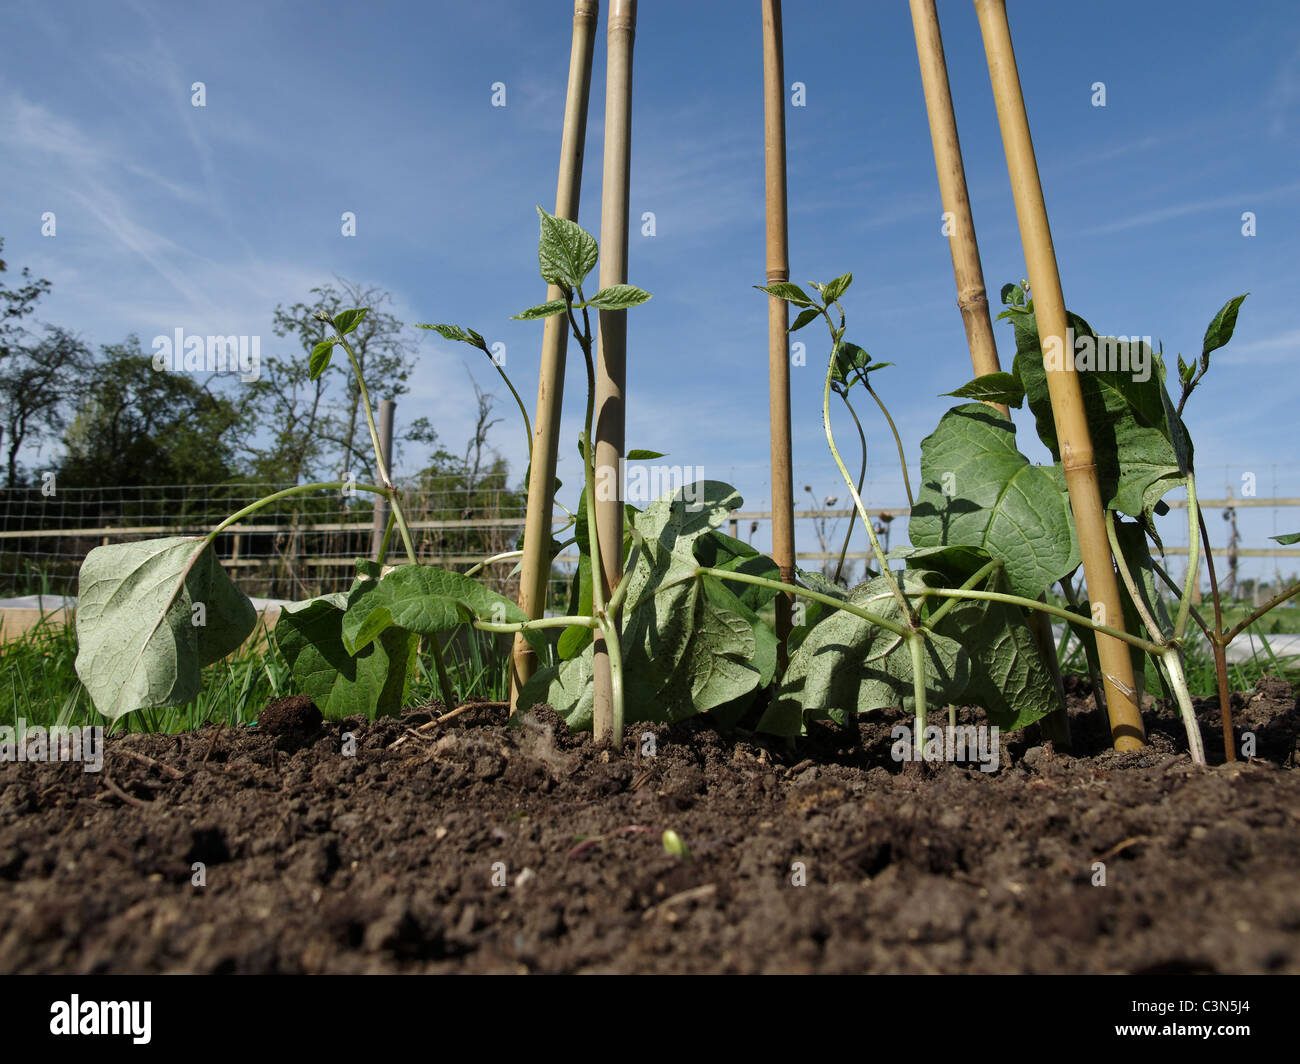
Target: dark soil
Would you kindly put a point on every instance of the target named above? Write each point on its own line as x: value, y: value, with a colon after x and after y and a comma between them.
x: 480, y: 848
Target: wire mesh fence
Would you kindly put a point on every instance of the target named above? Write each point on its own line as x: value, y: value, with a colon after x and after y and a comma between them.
x: 296, y: 547
x: 307, y: 544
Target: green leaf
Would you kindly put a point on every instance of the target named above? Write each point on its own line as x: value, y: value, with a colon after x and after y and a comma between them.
x: 720, y: 551
x: 791, y: 293
x: 447, y: 332
x: 542, y: 310
x: 137, y: 644
x: 372, y: 683
x: 1288, y: 539
x: 1220, y: 329
x: 1013, y: 295
x: 805, y: 316
x: 993, y: 388
x: 347, y: 320
x: 850, y: 665
x: 682, y: 652
x: 1141, y: 448
x: 641, y: 455
x: 320, y: 358
x: 455, y: 332
x: 852, y: 361
x: 978, y: 490
x: 574, y: 639
x: 424, y: 600
x: 618, y: 297
x: 837, y: 288
x: 566, y: 252
x: 1008, y: 677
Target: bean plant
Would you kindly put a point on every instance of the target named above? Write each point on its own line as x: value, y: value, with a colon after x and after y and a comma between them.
x: 941, y: 622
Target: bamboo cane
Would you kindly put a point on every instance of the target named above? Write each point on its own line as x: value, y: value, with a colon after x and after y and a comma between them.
x: 1066, y: 395
x: 972, y: 297
x: 536, y: 568
x: 611, y: 342
x: 778, y: 316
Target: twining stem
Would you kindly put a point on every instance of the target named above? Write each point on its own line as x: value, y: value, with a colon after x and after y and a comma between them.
x: 395, y: 500
x: 898, y: 442
x: 523, y: 410
x: 301, y: 489
x: 903, y: 604
x: 1138, y: 602
x: 1193, y: 558
x: 503, y: 557
x: 383, y: 543
x: 862, y: 476
x: 382, y: 469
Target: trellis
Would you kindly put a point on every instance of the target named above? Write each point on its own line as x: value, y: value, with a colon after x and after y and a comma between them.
x: 1066, y: 396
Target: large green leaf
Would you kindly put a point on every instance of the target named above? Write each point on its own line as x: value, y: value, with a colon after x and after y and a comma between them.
x: 849, y: 665
x: 1008, y: 677
x: 683, y: 652
x: 993, y: 388
x: 140, y: 643
x: 978, y: 490
x: 1140, y: 446
x: 424, y: 600
x: 371, y: 683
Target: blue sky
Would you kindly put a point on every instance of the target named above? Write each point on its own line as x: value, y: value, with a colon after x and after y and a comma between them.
x: 174, y: 216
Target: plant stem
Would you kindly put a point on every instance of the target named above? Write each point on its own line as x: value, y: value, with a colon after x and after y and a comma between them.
x: 862, y: 476
x: 505, y: 557
x: 1173, y: 666
x: 1272, y: 603
x: 1045, y: 607
x: 981, y: 574
x: 394, y: 498
x: 1217, y: 643
x: 388, y: 533
x: 901, y: 598
x: 1138, y: 603
x: 523, y: 410
x: 897, y: 629
x: 609, y: 629
x: 301, y: 489
x: 540, y: 622
x: 916, y: 645
x: 1193, y: 558
x: 902, y: 457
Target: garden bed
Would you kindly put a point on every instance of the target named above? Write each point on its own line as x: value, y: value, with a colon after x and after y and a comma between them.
x: 384, y: 862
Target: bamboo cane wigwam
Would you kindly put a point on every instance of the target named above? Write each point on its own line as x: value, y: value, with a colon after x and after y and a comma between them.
x: 535, y: 570
x: 1066, y: 395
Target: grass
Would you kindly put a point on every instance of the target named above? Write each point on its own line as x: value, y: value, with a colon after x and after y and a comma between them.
x: 39, y: 684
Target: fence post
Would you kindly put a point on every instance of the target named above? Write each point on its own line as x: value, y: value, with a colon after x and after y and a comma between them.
x: 386, y: 408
